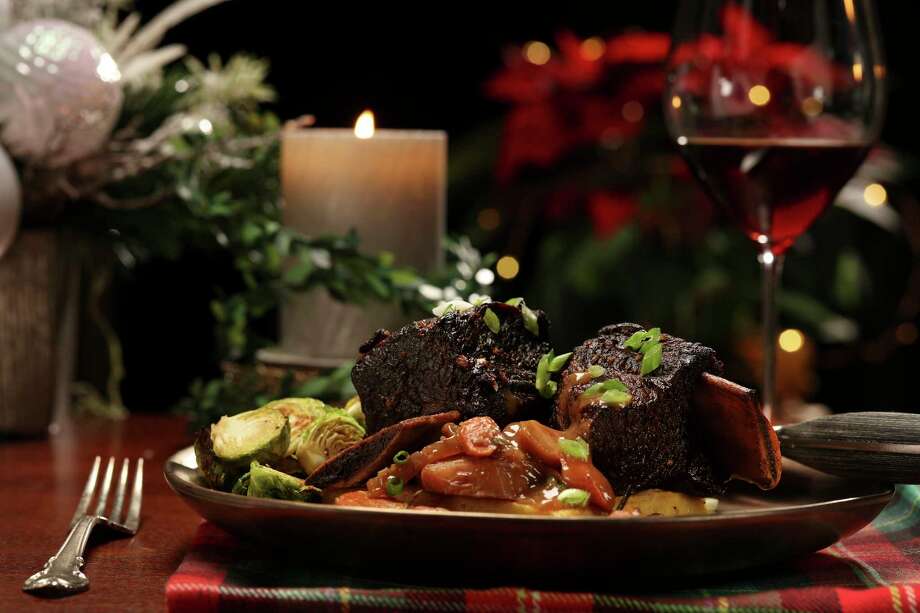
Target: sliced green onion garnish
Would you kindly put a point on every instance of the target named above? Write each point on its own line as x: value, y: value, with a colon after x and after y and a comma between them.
x: 514, y: 301
x: 549, y: 390
x: 574, y: 497
x: 574, y: 448
x: 614, y: 384
x: 402, y: 457
x: 595, y: 370
x: 616, y: 398
x: 652, y: 359
x: 557, y: 363
x: 543, y: 371
x: 531, y: 323
x: 635, y: 341
x: 492, y: 321
x: 605, y: 386
x: 594, y: 390
x: 394, y: 486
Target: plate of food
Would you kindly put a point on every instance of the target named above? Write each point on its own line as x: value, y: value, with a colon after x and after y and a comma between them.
x: 472, y: 443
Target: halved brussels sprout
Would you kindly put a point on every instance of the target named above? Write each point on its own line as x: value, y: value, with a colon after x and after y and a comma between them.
x: 266, y: 482
x: 300, y: 413
x: 225, y: 449
x: 326, y: 437
x: 262, y: 434
x: 241, y: 486
x: 353, y: 409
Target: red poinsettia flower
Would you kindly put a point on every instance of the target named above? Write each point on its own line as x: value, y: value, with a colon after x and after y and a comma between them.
x: 610, y: 211
x: 637, y: 48
x: 534, y: 135
x: 562, y: 103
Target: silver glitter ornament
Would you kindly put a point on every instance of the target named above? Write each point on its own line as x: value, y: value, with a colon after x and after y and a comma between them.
x: 60, y: 94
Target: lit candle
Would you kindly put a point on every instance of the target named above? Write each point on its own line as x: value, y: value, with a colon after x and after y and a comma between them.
x: 388, y: 185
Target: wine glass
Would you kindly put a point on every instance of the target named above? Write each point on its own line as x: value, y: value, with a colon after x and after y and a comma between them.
x: 774, y: 104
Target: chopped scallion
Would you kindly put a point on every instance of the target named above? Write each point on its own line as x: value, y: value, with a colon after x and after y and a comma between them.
x: 492, y: 321
x: 402, y: 457
x: 595, y: 370
x: 549, y: 390
x: 616, y: 398
x: 652, y: 359
x: 574, y: 448
x: 531, y: 323
x: 558, y: 362
x: 574, y: 497
x: 394, y: 486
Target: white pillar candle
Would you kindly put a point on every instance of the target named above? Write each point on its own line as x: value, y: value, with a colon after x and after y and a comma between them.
x: 389, y: 186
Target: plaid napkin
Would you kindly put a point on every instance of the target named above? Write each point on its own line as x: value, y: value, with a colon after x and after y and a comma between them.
x: 877, y: 569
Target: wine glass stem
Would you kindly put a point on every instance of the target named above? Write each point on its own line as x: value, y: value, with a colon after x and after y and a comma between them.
x: 772, y: 265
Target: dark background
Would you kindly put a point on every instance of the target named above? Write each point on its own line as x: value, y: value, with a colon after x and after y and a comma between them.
x: 420, y: 67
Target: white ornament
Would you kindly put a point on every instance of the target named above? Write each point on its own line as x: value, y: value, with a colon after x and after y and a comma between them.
x: 10, y: 202
x: 60, y: 92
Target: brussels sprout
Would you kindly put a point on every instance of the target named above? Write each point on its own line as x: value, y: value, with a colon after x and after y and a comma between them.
x: 353, y: 409
x: 266, y: 482
x: 326, y: 437
x: 241, y: 486
x: 300, y: 413
x: 215, y: 473
x: 262, y: 434
x: 225, y: 449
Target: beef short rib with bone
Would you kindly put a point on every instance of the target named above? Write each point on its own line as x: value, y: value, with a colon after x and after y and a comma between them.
x: 683, y: 428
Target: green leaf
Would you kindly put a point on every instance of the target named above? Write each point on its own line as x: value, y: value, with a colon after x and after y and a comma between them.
x: 250, y: 232
x: 558, y: 362
x: 575, y: 448
x: 574, y: 497
x: 297, y: 274
x: 652, y: 359
x: 493, y: 322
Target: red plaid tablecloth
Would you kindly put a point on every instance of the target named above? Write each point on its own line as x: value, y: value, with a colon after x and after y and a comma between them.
x: 877, y: 569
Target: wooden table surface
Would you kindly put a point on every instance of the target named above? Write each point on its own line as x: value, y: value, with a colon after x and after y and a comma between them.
x: 40, y: 484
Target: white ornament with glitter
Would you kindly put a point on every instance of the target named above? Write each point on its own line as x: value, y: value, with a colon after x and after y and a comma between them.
x: 60, y: 92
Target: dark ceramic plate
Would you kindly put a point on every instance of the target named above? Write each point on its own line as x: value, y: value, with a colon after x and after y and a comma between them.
x: 807, y: 512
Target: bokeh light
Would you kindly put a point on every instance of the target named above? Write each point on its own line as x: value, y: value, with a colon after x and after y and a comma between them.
x: 875, y: 194
x: 791, y: 340
x: 537, y: 52
x: 593, y: 48
x: 759, y: 95
x: 507, y: 267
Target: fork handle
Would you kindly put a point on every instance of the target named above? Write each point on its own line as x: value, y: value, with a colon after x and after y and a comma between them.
x: 62, y: 572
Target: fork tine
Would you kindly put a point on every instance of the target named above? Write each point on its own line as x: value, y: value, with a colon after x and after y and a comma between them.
x: 106, y: 485
x: 115, y: 515
x: 134, y: 508
x: 88, y: 490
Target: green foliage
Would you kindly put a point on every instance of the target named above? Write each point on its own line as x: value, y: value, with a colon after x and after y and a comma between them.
x: 209, y: 400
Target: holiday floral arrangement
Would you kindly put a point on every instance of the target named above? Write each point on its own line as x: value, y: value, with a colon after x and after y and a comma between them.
x: 138, y: 151
x: 594, y: 202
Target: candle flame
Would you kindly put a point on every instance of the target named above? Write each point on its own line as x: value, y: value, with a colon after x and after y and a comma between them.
x: 364, y: 126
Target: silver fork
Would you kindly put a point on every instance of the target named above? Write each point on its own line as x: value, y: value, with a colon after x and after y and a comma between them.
x: 61, y: 573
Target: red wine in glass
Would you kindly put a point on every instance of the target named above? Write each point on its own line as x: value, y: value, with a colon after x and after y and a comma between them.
x: 774, y: 104
x: 774, y: 189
